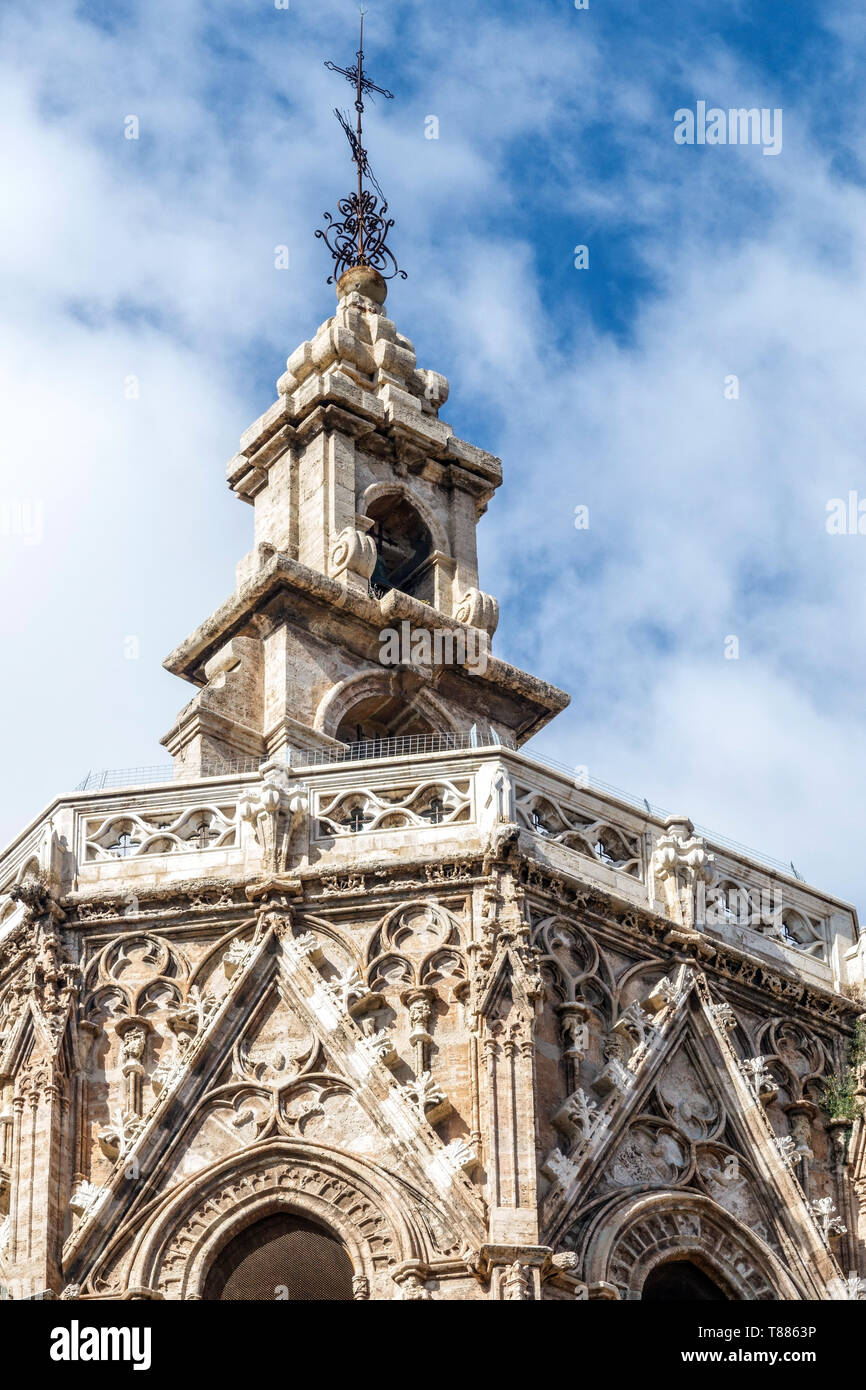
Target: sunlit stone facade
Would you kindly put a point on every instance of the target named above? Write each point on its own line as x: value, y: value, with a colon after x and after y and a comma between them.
x: 357, y: 998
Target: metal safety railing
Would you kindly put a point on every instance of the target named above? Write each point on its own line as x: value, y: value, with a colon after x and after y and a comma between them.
x: 107, y: 778
x: 403, y: 746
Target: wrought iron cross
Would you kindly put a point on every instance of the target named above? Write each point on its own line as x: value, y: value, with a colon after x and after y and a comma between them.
x: 360, y: 237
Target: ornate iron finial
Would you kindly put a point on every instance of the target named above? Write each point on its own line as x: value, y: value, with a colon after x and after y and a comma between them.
x: 359, y: 237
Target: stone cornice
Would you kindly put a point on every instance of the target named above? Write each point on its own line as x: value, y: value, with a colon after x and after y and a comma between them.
x: 279, y: 573
x: 613, y: 913
x: 714, y: 955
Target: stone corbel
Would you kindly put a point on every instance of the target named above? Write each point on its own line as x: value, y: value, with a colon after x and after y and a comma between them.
x: 353, y: 557
x: 35, y: 893
x: 562, y: 1270
x: 477, y: 609
x: 275, y: 812
x: 680, y: 862
x: 410, y: 1278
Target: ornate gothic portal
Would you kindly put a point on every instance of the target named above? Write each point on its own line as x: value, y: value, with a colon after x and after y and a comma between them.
x: 359, y: 1000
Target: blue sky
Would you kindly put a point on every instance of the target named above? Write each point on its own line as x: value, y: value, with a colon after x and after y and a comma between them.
x: 154, y: 259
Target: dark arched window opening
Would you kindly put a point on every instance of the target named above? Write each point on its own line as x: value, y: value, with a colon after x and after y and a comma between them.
x: 282, y: 1257
x: 403, y: 547
x: 382, y: 717
x: 679, y: 1280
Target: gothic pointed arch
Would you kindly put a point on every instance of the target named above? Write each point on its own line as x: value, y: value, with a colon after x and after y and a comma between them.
x: 632, y: 1236
x: 353, y: 1199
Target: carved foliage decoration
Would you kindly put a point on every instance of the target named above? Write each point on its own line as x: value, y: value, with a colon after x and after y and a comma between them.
x: 276, y: 811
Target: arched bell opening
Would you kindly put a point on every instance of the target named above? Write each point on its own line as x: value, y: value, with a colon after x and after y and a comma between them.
x: 679, y: 1280
x: 383, y: 716
x: 281, y: 1257
x: 404, y: 547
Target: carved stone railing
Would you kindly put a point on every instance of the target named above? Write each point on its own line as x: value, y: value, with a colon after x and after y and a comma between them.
x: 140, y: 831
x: 454, y: 786
x: 404, y: 805
x: 579, y: 825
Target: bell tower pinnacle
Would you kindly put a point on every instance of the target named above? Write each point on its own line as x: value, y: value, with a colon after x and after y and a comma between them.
x: 360, y: 239
x: 358, y: 613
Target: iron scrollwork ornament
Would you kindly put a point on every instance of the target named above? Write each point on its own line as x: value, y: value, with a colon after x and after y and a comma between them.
x: 358, y: 235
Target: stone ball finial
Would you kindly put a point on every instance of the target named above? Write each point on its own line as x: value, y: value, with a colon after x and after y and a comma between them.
x: 362, y: 279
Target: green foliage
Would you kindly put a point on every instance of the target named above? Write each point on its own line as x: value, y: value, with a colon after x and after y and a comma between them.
x: 857, y: 1053
x: 838, y: 1097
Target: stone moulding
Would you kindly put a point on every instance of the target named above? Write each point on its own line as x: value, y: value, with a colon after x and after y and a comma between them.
x: 185, y: 1229
x: 280, y: 574
x: 631, y: 1235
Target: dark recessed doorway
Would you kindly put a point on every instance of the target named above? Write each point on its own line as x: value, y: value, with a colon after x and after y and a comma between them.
x: 680, y: 1279
x: 281, y: 1257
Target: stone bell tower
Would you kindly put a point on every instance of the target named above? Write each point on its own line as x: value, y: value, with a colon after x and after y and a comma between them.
x: 366, y: 506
